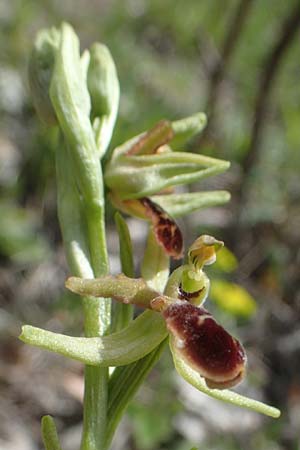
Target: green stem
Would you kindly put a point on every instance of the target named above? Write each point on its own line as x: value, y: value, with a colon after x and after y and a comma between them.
x: 97, y: 313
x: 97, y: 323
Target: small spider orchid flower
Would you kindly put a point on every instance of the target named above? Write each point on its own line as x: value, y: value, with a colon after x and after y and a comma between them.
x: 204, y: 353
x: 195, y: 336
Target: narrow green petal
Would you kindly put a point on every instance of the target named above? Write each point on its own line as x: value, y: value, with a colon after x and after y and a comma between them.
x: 192, y: 377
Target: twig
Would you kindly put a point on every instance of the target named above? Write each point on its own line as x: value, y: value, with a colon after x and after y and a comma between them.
x: 271, y: 67
x: 231, y: 40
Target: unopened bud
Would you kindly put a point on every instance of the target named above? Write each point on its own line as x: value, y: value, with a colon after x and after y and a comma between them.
x: 103, y: 86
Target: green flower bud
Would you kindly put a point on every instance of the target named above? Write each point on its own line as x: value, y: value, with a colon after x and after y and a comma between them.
x: 103, y: 86
x: 40, y: 69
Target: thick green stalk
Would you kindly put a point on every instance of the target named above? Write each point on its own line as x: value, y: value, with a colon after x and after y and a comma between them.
x: 97, y: 313
x: 71, y: 102
x: 97, y: 323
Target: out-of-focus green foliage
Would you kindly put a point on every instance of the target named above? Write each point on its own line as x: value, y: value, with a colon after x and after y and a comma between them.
x: 226, y: 261
x: 232, y: 298
x: 19, y: 236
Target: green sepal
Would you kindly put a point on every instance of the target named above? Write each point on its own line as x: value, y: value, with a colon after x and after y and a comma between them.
x: 123, y: 347
x: 193, y: 378
x: 103, y: 86
x: 185, y: 129
x: 145, y: 175
x: 179, y: 205
x: 123, y: 289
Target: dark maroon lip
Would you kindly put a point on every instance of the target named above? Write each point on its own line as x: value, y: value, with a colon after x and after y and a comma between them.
x: 205, y: 345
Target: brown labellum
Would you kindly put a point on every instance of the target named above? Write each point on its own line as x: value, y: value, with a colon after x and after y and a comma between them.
x: 166, y: 230
x: 205, y: 345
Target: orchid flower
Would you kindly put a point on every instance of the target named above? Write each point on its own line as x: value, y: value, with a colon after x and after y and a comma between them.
x: 204, y: 353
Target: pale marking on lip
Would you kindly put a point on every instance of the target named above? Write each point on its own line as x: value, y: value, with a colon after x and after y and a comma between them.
x: 180, y: 343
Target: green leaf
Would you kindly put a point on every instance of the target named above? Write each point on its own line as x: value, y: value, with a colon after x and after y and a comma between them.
x: 193, y: 378
x: 49, y: 434
x: 123, y: 385
x: 233, y: 298
x: 155, y: 265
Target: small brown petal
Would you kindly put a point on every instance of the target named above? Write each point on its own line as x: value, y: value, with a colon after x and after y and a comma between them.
x: 205, y: 345
x: 166, y: 230
x: 151, y: 141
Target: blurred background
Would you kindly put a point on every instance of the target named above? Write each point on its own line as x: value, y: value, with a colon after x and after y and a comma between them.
x: 237, y: 60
